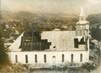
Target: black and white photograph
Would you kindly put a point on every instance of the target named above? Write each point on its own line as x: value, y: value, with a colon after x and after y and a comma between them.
x: 50, y: 36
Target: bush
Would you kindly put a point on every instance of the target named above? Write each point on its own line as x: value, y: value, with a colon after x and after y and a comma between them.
x: 89, y: 66
x: 4, y: 59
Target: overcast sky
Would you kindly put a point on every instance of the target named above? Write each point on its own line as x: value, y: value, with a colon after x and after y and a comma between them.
x: 60, y: 6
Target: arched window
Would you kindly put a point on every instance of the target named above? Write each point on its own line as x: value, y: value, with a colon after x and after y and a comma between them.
x: 62, y: 57
x: 81, y: 57
x: 16, y: 58
x: 35, y: 58
x: 72, y: 56
x: 45, y: 59
x: 26, y: 58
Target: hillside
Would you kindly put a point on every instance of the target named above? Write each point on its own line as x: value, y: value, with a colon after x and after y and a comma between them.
x: 14, y: 23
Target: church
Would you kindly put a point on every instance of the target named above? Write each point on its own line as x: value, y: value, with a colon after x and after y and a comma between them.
x: 54, y: 47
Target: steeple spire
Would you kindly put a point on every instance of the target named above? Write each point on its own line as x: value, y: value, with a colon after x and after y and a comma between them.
x: 82, y: 13
x: 82, y: 26
x: 82, y: 17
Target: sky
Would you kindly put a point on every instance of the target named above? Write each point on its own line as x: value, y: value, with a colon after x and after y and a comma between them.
x: 52, y: 6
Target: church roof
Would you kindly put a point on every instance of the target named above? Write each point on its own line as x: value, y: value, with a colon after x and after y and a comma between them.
x: 16, y: 44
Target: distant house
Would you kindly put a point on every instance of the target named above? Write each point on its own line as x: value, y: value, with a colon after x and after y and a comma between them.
x: 54, y: 47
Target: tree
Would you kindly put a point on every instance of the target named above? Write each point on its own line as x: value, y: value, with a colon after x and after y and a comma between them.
x: 4, y: 60
x: 96, y: 33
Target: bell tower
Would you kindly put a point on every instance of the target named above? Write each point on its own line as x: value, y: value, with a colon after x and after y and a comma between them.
x: 82, y: 26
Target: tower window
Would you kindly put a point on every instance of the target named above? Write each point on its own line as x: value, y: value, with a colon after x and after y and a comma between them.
x: 16, y: 58
x: 45, y: 59
x: 26, y: 58
x: 54, y: 46
x: 76, y: 43
x: 35, y: 58
x: 62, y: 57
x: 72, y: 57
x: 81, y: 57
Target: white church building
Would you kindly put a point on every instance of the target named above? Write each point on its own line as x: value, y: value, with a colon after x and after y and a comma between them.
x: 66, y: 47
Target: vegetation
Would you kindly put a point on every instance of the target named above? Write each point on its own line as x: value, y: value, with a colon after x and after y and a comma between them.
x: 96, y: 33
x: 4, y: 60
x: 26, y: 21
x: 95, y: 26
x: 14, y: 68
x: 89, y: 66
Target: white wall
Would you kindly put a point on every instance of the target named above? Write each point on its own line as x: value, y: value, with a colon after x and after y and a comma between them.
x: 62, y: 40
x: 49, y: 57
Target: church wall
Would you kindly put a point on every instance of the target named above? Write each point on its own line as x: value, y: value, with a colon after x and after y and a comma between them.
x: 53, y: 57
x: 62, y: 40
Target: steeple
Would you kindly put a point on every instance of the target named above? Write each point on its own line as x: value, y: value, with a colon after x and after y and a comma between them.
x: 82, y: 17
x: 82, y: 13
x: 82, y: 27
